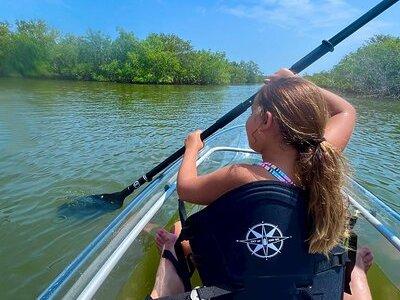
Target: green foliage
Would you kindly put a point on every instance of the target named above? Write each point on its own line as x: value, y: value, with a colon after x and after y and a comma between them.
x: 245, y: 72
x: 27, y: 50
x: 32, y: 49
x: 5, y: 48
x: 373, y: 69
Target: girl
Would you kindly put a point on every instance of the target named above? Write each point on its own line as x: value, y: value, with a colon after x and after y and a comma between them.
x: 300, y: 131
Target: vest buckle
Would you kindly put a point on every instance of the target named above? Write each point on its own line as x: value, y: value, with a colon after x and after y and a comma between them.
x: 207, y: 292
x: 194, y: 294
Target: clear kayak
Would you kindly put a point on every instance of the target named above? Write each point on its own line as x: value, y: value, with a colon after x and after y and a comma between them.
x: 120, y: 263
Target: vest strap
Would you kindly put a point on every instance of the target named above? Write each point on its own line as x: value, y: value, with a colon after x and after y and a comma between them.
x: 336, y: 260
x: 352, y: 253
x: 182, y: 211
x: 180, y: 269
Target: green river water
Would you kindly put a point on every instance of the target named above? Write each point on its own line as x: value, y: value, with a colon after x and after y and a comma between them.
x: 60, y: 139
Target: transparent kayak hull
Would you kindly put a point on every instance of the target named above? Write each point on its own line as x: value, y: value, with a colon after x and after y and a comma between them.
x: 121, y: 261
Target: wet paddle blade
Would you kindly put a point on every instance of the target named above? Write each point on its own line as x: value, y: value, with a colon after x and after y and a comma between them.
x: 90, y: 206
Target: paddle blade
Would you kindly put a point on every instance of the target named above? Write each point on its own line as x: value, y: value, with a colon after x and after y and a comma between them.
x: 90, y: 206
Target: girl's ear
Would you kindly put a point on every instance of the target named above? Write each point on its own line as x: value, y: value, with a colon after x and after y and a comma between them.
x: 267, y: 121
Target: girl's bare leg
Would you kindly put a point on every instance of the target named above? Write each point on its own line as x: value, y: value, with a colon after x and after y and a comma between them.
x: 359, y: 284
x: 167, y: 280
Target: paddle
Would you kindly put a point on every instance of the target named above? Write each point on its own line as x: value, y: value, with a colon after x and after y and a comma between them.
x: 115, y: 200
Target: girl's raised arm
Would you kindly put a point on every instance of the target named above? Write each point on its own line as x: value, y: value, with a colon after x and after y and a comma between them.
x: 342, y: 120
x: 342, y: 114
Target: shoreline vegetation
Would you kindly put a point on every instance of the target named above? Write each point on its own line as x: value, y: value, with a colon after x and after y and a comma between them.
x: 371, y: 70
x: 32, y: 49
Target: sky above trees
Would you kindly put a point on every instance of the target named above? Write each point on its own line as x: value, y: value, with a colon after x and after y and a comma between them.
x: 270, y: 32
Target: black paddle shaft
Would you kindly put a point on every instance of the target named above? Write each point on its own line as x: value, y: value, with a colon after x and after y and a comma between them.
x: 325, y: 47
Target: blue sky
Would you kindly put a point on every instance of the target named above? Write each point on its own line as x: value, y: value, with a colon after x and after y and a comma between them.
x: 273, y: 33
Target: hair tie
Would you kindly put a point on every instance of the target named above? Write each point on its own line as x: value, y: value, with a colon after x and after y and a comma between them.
x: 316, y: 142
x: 305, y: 145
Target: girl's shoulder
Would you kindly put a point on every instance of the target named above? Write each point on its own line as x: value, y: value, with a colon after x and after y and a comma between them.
x: 206, y: 188
x: 246, y: 173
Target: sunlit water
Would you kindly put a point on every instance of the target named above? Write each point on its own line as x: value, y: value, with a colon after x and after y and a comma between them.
x: 61, y: 139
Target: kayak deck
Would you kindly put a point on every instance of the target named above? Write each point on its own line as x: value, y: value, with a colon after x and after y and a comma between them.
x: 122, y: 261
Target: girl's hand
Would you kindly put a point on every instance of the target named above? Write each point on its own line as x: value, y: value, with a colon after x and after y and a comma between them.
x: 281, y: 73
x: 193, y: 141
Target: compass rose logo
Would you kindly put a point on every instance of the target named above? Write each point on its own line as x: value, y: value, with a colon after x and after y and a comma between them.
x: 264, y: 240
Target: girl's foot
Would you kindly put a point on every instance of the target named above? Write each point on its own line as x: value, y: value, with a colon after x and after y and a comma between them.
x: 175, y: 230
x: 165, y: 239
x: 364, y: 259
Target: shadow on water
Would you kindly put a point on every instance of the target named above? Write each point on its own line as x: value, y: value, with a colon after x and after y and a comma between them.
x: 86, y: 208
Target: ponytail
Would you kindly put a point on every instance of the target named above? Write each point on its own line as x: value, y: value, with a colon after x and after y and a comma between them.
x: 321, y: 170
x: 302, y: 113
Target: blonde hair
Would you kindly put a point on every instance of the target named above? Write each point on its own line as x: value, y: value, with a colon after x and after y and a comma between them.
x: 301, y: 113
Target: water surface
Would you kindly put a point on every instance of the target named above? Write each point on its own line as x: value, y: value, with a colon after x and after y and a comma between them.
x: 60, y: 139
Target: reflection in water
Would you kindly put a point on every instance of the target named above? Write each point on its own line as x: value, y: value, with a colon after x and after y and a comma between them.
x: 60, y: 140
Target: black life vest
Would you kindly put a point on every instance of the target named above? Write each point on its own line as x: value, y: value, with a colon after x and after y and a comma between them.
x: 252, y: 241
